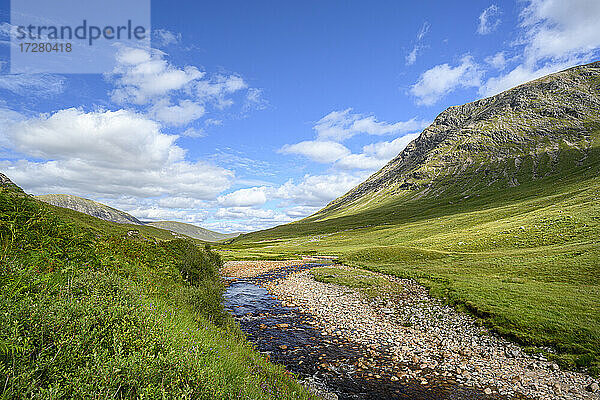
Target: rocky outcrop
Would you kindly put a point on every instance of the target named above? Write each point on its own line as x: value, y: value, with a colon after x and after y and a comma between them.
x: 6, y: 183
x: 521, y: 134
x: 4, y: 180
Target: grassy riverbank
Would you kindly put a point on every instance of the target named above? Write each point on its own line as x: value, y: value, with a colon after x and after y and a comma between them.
x: 525, y: 259
x: 87, y: 313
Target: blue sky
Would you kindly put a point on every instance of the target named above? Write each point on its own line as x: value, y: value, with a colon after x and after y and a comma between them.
x: 246, y: 115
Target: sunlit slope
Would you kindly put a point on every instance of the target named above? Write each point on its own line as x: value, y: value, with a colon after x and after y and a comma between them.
x: 521, y: 135
x: 504, y: 221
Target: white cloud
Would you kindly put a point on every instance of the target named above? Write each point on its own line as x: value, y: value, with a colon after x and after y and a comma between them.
x: 375, y: 155
x: 318, y: 190
x: 440, y: 80
x: 44, y: 85
x: 423, y: 31
x: 247, y: 212
x: 181, y: 114
x: 360, y: 161
x: 556, y: 35
x: 319, y: 151
x: 411, y: 57
x: 107, y: 154
x: 193, y: 133
x: 560, y: 30
x: 255, y: 100
x: 489, y: 20
x: 160, y: 214
x: 141, y: 76
x: 254, y: 196
x: 213, y: 122
x: 180, y: 202
x: 497, y: 61
x: 218, y: 88
x: 341, y: 125
x: 388, y: 150
x: 164, y: 37
x: 105, y: 138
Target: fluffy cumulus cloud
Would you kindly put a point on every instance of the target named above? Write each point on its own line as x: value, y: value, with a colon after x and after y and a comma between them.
x: 106, y: 154
x: 142, y: 76
x: 318, y: 190
x: 175, y: 95
x: 180, y: 114
x: 555, y: 35
x: 489, y: 20
x: 254, y: 196
x: 319, y: 151
x: 497, y: 61
x: 559, y: 29
x: 342, y: 125
x: 442, y: 79
x: 388, y: 150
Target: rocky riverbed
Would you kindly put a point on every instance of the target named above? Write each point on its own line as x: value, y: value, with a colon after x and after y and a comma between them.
x: 405, y: 337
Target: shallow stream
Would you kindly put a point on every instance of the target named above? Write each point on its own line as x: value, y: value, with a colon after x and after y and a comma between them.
x: 327, y: 362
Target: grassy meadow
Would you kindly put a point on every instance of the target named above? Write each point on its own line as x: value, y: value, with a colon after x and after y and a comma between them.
x: 89, y: 312
x: 524, y: 259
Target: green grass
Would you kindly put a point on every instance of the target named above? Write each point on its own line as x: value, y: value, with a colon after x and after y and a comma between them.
x: 93, y: 313
x: 524, y: 259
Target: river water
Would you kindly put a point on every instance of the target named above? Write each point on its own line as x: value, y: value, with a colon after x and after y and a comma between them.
x: 328, y: 362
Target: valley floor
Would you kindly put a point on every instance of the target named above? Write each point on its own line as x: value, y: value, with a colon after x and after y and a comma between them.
x: 428, y: 341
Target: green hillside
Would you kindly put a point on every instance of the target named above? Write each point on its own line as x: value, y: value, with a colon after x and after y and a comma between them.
x: 87, y: 313
x: 495, y: 208
x: 192, y: 231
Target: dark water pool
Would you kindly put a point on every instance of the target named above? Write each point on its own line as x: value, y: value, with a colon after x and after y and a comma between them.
x: 288, y: 337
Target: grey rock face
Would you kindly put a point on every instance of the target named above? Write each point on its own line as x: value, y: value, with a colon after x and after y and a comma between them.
x: 4, y: 180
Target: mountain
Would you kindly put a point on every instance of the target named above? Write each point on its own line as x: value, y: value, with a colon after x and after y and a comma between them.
x: 523, y: 134
x: 192, y: 231
x: 5, y: 182
x: 89, y: 207
x: 495, y: 208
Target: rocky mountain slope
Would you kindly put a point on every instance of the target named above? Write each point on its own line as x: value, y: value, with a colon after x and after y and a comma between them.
x: 523, y: 134
x: 193, y: 231
x: 89, y: 207
x: 5, y: 182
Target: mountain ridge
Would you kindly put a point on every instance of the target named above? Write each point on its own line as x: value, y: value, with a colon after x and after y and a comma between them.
x: 529, y: 125
x: 90, y: 207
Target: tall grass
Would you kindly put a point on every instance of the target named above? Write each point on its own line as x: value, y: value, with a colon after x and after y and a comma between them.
x: 91, y: 315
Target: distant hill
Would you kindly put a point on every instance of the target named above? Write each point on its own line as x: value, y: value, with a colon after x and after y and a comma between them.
x: 89, y: 207
x: 192, y: 231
